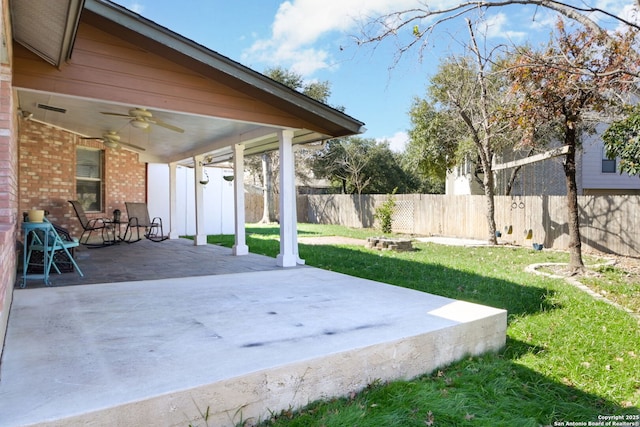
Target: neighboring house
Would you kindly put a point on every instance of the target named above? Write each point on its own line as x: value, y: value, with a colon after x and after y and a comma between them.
x: 601, y: 176
x: 74, y: 71
x: 596, y: 175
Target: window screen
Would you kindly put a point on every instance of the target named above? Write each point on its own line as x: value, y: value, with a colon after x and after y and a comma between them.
x: 89, y: 176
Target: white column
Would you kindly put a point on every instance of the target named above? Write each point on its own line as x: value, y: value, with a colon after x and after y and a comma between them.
x: 240, y: 247
x: 201, y: 236
x: 173, y: 202
x: 288, y: 256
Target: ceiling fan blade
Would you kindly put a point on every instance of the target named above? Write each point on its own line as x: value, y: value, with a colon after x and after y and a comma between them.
x: 97, y: 138
x: 106, y: 113
x: 166, y: 125
x: 132, y: 146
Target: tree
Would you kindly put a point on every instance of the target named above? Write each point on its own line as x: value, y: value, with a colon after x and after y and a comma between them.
x: 432, y: 149
x: 266, y: 165
x: 622, y: 140
x: 358, y: 165
x: 471, y: 97
x: 584, y: 72
x: 411, y: 21
x: 387, y: 172
x: 351, y: 165
x: 320, y: 91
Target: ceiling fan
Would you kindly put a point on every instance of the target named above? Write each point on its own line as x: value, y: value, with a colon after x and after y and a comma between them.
x: 111, y: 139
x: 142, y: 118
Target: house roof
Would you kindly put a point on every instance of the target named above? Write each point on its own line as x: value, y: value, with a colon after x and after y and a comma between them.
x: 205, y: 132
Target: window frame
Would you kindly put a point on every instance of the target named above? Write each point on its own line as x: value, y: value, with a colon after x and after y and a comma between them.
x: 89, y: 179
x: 607, y: 162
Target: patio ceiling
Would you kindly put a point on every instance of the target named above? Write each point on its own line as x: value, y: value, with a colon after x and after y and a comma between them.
x: 208, y: 136
x: 204, y: 134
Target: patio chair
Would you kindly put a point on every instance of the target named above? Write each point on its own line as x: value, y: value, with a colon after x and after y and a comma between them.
x: 54, y: 243
x: 138, y: 215
x: 91, y: 225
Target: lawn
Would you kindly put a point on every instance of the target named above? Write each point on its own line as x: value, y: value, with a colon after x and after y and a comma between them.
x: 569, y: 358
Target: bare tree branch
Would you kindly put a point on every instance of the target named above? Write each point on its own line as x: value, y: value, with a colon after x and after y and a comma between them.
x: 414, y: 19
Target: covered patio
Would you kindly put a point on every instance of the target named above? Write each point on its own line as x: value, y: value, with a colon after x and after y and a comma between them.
x: 165, y: 346
x: 95, y: 96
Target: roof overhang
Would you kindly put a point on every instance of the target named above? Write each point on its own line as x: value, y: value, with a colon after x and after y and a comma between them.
x: 158, y: 39
x: 47, y: 28
x: 204, y: 135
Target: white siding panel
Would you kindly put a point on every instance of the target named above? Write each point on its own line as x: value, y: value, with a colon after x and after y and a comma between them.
x: 218, y: 199
x: 592, y: 176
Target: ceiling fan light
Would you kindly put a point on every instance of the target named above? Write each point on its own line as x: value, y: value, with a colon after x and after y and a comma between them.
x: 113, y: 136
x: 139, y: 124
x: 110, y: 144
x: 140, y: 113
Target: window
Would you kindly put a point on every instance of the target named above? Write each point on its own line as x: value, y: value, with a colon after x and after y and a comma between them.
x: 89, y: 167
x: 608, y: 165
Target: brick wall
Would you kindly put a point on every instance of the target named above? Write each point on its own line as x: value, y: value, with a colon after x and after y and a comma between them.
x: 8, y: 180
x: 47, y: 158
x: 8, y: 199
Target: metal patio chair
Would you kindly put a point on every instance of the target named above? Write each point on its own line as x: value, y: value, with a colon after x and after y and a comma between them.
x: 138, y: 217
x: 91, y: 225
x: 51, y: 243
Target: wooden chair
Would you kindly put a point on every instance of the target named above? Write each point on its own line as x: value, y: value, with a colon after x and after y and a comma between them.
x: 89, y: 226
x: 138, y: 217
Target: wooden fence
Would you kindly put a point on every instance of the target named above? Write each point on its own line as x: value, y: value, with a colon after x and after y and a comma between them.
x: 607, y: 223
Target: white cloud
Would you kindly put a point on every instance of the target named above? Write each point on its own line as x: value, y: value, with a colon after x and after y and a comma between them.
x: 544, y: 20
x: 136, y: 7
x: 624, y: 9
x: 300, y: 24
x: 494, y: 27
x: 397, y: 142
x: 631, y: 14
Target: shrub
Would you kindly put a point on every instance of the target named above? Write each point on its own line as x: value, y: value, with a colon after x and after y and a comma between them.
x: 384, y: 213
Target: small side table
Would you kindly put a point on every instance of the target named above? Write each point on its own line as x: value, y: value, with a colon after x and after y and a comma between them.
x: 116, y: 228
x: 28, y: 228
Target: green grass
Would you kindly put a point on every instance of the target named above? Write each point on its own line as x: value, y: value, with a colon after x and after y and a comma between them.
x: 568, y: 357
x: 618, y: 285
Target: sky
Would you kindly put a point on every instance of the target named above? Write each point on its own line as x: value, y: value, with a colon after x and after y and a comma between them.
x: 317, y: 39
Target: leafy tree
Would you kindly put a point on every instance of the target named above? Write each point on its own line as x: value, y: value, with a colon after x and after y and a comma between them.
x: 471, y: 97
x: 358, y: 165
x: 622, y: 140
x: 320, y: 91
x: 432, y: 149
x: 580, y: 74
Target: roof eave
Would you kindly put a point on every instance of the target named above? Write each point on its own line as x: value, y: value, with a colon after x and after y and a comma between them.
x: 55, y: 46
x: 280, y: 93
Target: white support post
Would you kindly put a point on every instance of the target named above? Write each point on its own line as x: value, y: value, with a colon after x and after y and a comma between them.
x: 240, y: 247
x: 201, y: 235
x: 173, y: 201
x: 288, y: 256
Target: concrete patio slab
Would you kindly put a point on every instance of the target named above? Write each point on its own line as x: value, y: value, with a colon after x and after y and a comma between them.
x: 164, y: 352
